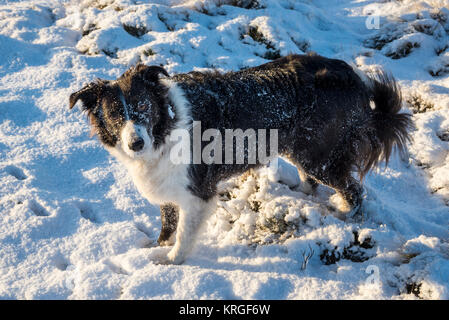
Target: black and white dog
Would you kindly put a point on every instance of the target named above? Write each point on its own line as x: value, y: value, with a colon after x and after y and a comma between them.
x: 330, y: 120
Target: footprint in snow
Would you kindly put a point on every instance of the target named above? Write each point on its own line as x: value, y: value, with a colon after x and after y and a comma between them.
x: 116, y: 268
x: 60, y: 262
x: 37, y: 209
x: 16, y: 172
x: 147, y: 242
x: 87, y: 212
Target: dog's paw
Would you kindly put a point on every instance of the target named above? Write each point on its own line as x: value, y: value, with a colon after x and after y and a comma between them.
x: 165, y: 256
x: 158, y: 255
x: 337, y: 201
x: 166, y: 243
x: 343, y: 210
x: 175, y: 257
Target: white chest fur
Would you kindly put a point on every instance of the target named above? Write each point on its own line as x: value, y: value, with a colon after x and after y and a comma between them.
x: 158, y: 179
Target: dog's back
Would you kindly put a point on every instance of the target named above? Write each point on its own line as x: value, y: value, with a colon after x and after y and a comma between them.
x: 320, y: 107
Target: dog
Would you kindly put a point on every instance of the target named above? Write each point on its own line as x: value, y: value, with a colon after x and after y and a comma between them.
x: 330, y: 120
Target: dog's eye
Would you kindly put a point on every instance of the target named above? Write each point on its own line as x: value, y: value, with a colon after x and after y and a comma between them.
x: 142, y: 107
x: 113, y: 114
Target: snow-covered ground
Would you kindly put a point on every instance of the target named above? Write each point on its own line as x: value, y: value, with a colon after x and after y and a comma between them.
x: 73, y: 226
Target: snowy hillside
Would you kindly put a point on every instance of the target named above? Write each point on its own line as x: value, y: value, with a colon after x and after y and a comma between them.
x: 72, y: 225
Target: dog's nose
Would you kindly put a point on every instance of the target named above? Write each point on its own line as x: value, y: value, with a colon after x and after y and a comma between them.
x: 137, y: 144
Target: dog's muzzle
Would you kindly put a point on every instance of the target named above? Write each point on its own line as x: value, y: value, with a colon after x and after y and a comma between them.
x: 135, y: 138
x: 136, y: 144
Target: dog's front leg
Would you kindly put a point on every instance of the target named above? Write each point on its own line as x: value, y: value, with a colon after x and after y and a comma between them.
x: 192, y: 214
x: 169, y: 220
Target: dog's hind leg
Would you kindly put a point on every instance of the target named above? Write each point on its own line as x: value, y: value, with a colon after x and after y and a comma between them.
x: 308, y: 184
x: 350, y: 190
x: 338, y: 177
x: 169, y: 220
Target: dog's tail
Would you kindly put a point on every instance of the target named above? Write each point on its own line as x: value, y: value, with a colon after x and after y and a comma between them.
x: 391, y: 128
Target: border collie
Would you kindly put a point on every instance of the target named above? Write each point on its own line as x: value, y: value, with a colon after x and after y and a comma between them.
x: 330, y: 119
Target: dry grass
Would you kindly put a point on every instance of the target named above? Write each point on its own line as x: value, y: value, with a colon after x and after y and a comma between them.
x: 272, y: 53
x: 418, y: 105
x: 135, y: 31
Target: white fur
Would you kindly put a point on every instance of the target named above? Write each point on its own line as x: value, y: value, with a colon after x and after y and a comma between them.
x: 160, y: 180
x: 180, y: 103
x: 125, y: 106
x: 129, y: 132
x: 156, y: 177
x: 193, y: 213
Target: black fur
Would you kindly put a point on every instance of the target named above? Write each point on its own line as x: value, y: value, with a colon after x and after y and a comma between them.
x: 321, y: 109
x: 169, y: 221
x: 391, y: 127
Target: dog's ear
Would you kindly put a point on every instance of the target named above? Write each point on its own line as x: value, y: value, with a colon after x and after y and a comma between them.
x: 151, y: 73
x: 88, y: 95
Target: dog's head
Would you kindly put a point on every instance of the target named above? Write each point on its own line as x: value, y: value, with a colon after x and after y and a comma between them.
x: 131, y: 112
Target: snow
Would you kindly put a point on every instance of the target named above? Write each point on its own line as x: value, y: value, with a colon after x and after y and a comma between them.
x: 72, y: 225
